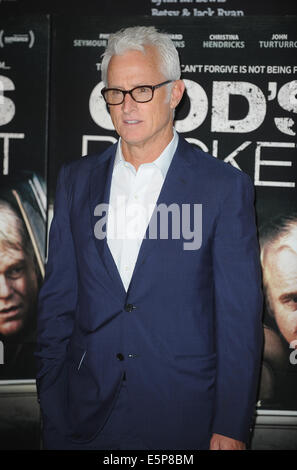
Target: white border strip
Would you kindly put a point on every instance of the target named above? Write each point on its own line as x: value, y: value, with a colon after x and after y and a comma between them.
x: 17, y: 382
x: 276, y: 413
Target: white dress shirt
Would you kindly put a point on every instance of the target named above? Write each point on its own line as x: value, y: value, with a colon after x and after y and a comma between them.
x: 133, y: 196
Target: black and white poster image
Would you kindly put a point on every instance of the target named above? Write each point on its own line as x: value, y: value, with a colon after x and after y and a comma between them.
x: 23, y: 211
x: 22, y: 237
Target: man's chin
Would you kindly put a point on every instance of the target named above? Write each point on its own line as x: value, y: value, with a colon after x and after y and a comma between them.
x: 12, y: 327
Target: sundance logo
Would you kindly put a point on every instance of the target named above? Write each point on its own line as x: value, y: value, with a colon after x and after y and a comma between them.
x: 23, y: 38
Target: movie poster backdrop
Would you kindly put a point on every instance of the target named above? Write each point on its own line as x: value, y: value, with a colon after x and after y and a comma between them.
x: 24, y: 72
x: 240, y: 106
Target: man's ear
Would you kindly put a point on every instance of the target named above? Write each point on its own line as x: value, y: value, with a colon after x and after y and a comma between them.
x: 177, y: 93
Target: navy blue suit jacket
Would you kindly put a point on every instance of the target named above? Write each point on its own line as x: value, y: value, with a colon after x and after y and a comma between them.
x: 190, y: 348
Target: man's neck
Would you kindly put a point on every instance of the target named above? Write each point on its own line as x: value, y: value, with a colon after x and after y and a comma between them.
x: 145, y: 152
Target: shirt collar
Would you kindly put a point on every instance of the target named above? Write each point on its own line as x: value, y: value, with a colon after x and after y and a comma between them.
x: 162, y: 162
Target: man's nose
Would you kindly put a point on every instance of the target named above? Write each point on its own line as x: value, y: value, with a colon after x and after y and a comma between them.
x: 128, y: 103
x: 5, y: 288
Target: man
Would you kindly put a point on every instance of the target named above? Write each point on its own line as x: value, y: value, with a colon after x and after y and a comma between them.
x: 278, y: 240
x: 18, y: 295
x: 279, y: 261
x: 149, y: 342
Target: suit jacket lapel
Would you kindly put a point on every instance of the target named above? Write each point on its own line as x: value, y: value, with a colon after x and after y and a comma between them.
x: 174, y: 191
x: 100, y: 183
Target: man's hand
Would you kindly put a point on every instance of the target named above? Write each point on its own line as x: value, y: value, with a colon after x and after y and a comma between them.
x: 220, y: 442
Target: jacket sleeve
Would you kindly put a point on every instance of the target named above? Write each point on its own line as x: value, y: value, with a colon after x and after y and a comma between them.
x: 238, y: 309
x: 58, y: 295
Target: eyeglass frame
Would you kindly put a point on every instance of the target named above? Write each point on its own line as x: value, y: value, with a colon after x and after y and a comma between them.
x: 125, y: 92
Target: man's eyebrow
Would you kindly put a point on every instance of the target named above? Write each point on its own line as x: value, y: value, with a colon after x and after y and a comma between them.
x: 16, y: 264
x: 118, y: 87
x: 288, y: 296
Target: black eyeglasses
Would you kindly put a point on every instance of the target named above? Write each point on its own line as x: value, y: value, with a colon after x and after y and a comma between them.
x: 140, y: 94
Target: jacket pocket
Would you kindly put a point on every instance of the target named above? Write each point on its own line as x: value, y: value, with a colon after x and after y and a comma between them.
x: 199, y: 357
x: 203, y: 365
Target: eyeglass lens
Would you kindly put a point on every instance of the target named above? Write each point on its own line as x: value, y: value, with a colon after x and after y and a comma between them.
x: 139, y: 94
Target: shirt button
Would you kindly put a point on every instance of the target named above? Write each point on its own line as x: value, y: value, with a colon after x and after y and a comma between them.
x: 120, y: 357
x: 129, y: 307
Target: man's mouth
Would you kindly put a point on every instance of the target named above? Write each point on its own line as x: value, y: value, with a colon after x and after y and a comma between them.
x: 131, y: 121
x: 10, y: 311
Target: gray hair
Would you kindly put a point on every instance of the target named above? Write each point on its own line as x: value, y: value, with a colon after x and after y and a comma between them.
x: 136, y: 38
x: 13, y: 234
x: 276, y: 228
x: 272, y: 231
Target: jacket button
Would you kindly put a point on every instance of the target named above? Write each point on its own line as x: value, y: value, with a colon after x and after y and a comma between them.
x: 120, y: 357
x: 129, y: 307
